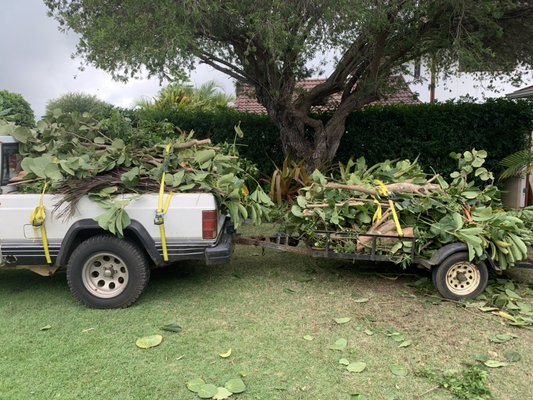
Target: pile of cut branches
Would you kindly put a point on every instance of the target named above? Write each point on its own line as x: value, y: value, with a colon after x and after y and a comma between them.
x: 396, y: 198
x: 75, y: 157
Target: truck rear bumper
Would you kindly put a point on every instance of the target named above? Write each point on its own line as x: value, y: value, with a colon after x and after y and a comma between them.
x: 222, y: 251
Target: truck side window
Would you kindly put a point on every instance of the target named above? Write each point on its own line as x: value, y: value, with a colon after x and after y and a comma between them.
x: 11, y: 160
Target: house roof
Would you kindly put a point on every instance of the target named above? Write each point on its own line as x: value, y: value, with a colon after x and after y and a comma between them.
x: 246, y: 102
x: 521, y: 93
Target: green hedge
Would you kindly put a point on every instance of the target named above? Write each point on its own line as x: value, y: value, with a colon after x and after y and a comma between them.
x: 427, y: 131
x: 432, y: 131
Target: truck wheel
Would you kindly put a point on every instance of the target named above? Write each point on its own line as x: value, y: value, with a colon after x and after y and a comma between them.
x: 457, y: 278
x: 107, y: 272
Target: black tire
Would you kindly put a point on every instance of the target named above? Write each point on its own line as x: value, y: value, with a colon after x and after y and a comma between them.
x: 107, y: 272
x: 456, y: 278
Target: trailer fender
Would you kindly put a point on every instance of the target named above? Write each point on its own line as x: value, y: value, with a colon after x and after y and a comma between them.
x: 86, y: 228
x: 446, y: 251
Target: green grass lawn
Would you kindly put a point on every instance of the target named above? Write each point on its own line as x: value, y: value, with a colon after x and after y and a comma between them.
x: 260, y: 306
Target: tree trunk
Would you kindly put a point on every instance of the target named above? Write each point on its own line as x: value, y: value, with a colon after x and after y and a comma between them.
x: 317, y: 151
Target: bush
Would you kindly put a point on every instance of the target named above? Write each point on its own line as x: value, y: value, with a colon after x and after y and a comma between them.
x: 427, y: 131
x: 80, y: 103
x: 432, y: 131
x: 17, y: 108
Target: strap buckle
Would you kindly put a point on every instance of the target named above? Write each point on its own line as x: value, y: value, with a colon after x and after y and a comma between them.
x: 159, y: 218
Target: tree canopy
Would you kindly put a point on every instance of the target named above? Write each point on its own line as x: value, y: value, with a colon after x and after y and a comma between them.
x: 17, y: 108
x: 270, y: 45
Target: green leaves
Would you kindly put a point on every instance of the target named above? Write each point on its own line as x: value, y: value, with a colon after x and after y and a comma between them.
x: 342, y: 320
x: 172, y: 328
x: 235, y: 385
x: 494, y: 364
x: 398, y: 370
x: 502, y: 338
x: 149, y: 341
x: 357, y: 367
x: 209, y: 391
x: 339, y: 345
x: 512, y: 356
x: 115, y: 219
x: 195, y: 384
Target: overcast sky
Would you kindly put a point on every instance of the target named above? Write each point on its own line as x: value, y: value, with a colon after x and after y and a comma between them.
x: 35, y: 61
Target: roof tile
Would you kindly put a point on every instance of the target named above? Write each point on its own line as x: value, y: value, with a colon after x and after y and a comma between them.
x: 245, y: 101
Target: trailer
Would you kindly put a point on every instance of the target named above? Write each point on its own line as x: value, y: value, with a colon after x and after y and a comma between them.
x: 453, y: 275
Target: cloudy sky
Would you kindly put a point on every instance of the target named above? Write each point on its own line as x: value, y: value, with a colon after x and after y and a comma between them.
x: 35, y: 61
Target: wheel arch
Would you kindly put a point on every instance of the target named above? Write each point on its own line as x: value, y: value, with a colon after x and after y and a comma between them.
x: 87, y: 228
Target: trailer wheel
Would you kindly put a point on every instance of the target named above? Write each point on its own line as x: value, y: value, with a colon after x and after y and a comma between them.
x: 107, y: 272
x: 457, y: 278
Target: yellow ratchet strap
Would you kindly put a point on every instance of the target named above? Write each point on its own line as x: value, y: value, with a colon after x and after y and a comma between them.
x: 382, y: 189
x: 379, y: 213
x: 162, y: 209
x: 37, y: 218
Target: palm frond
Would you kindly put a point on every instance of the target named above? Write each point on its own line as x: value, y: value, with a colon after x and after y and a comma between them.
x: 519, y: 163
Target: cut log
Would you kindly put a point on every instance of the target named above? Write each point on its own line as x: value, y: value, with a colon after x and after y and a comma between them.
x: 403, y: 187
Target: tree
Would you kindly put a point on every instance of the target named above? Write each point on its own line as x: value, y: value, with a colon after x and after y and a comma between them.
x: 183, y: 96
x: 79, y: 103
x: 272, y: 44
x: 17, y: 108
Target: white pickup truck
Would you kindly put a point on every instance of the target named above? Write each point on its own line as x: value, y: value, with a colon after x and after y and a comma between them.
x: 104, y: 271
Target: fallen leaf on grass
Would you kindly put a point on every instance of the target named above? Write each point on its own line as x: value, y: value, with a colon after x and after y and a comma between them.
x: 389, y: 277
x: 512, y: 356
x: 487, y: 309
x: 405, y: 343
x: 361, y: 300
x: 88, y: 330
x: 222, y: 394
x: 235, y: 385
x: 512, y: 294
x: 358, y: 396
x: 195, y: 384
x: 207, y: 391
x: 308, y: 337
x: 45, y: 328
x: 340, y: 344
x: 344, y: 361
x: 289, y: 290
x: 342, y: 320
x: 357, y: 366
x: 149, y: 341
x: 172, y: 328
x: 398, y: 370
x: 494, y: 364
x: 502, y: 338
x: 226, y: 354
x: 369, y: 332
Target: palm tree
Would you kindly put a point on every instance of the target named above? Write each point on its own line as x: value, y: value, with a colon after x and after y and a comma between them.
x: 182, y: 96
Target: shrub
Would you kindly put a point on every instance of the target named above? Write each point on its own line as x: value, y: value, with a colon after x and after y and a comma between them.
x: 17, y: 108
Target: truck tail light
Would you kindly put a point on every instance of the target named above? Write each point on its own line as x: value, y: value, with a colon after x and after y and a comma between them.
x: 209, y: 224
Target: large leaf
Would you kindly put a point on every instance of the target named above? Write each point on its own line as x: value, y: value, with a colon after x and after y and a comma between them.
x: 340, y: 344
x: 149, y: 341
x: 195, y: 384
x: 357, y: 366
x: 207, y: 391
x: 235, y: 385
x: 398, y: 370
